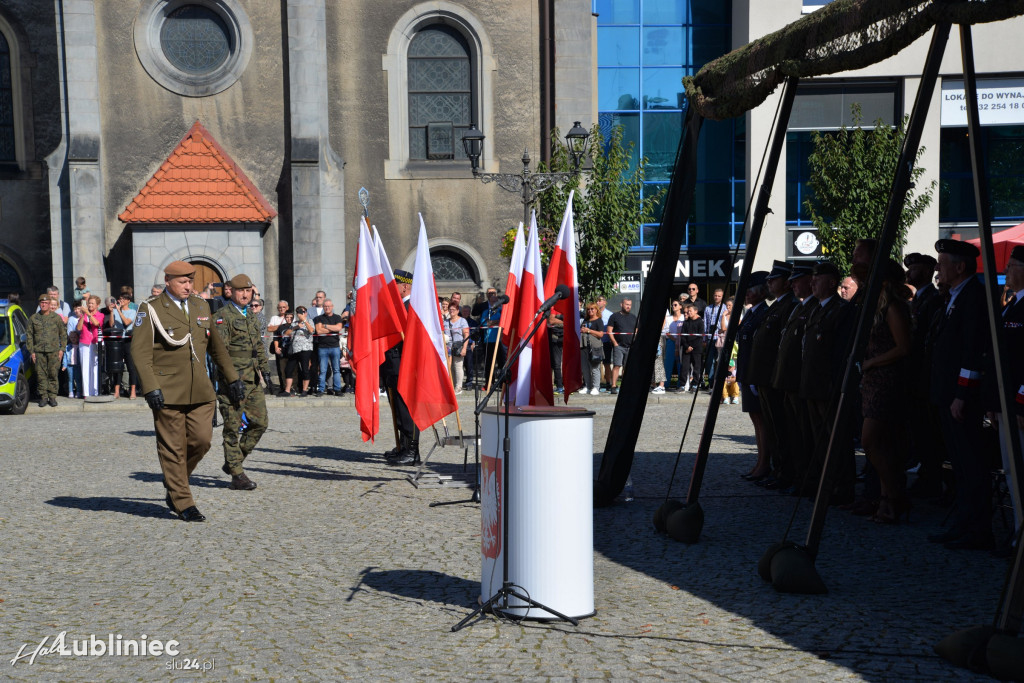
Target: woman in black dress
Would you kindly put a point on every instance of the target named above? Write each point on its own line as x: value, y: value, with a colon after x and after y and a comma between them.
x: 882, y: 388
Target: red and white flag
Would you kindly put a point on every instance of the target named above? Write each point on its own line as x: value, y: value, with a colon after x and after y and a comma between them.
x: 365, y: 349
x: 515, y: 276
x: 397, y: 305
x: 423, y: 380
x: 562, y: 271
x: 532, y: 383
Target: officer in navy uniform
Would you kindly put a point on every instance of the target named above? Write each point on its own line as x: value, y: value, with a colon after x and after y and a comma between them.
x: 795, y: 455
x: 764, y: 355
x: 749, y: 324
x: 407, y: 452
x: 923, y: 432
x: 961, y: 356
x: 826, y: 341
x: 1011, y: 327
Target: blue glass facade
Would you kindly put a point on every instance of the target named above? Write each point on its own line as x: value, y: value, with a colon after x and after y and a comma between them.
x: 644, y: 48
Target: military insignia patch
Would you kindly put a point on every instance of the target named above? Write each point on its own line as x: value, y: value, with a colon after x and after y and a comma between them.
x: 202, y: 318
x: 219, y: 321
x: 140, y: 315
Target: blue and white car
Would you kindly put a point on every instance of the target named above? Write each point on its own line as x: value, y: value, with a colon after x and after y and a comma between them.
x: 15, y: 366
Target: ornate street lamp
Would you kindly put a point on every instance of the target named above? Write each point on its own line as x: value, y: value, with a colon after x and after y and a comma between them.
x: 526, y: 182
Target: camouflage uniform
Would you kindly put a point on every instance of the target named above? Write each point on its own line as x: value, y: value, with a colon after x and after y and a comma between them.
x: 47, y: 337
x: 241, y: 335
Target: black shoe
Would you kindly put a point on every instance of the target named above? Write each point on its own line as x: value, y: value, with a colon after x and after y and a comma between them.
x: 946, y: 536
x: 613, y: 390
x: 192, y: 514
x: 317, y: 394
x: 970, y: 541
x: 285, y: 393
x: 52, y: 401
x: 407, y: 456
x: 42, y: 402
x: 329, y: 392
x: 240, y: 482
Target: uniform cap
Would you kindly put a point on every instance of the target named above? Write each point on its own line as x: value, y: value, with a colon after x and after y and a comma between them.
x: 800, y: 271
x: 179, y: 269
x: 42, y: 298
x: 240, y: 281
x: 759, y: 277
x: 779, y: 269
x: 826, y: 268
x: 957, y: 248
x: 919, y: 259
x: 403, y: 276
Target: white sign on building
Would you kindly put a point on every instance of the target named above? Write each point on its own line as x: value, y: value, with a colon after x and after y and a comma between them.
x: 1000, y: 102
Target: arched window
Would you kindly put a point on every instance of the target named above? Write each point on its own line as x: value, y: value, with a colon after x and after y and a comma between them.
x: 10, y: 281
x: 449, y: 266
x: 8, y: 153
x: 440, y: 77
x: 440, y: 93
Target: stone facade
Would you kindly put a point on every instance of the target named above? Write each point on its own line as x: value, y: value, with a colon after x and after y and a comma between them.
x: 308, y: 103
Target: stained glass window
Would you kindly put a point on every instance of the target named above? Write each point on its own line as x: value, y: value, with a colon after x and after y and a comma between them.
x: 451, y: 267
x: 6, y: 103
x: 195, y: 39
x: 440, y: 93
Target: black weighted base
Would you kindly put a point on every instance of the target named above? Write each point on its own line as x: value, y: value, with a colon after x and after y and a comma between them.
x: 790, y: 569
x: 983, y: 650
x: 686, y: 523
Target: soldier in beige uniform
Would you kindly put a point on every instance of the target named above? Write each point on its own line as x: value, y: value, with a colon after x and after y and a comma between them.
x: 169, y: 346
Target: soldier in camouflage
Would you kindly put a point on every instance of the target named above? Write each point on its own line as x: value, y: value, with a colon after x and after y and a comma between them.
x: 46, y: 339
x: 240, y: 330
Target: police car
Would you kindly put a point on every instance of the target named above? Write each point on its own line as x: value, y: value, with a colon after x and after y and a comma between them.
x: 15, y: 367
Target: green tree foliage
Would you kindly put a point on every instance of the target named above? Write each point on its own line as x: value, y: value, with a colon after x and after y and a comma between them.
x: 608, y: 210
x: 852, y: 172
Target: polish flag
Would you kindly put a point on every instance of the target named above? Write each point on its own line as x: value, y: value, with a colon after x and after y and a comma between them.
x: 366, y: 354
x: 532, y: 384
x: 397, y: 305
x: 562, y: 271
x: 423, y: 380
x: 515, y: 276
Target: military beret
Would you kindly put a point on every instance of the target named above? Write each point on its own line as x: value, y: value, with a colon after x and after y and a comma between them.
x: 403, y: 276
x: 179, y: 269
x: 826, y: 268
x: 957, y: 248
x: 801, y: 270
x: 241, y: 281
x: 779, y: 269
x: 758, y: 278
x: 43, y: 297
x: 1018, y: 253
x: 916, y: 258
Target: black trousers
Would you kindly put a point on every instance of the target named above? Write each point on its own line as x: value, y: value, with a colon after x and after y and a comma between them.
x: 408, y: 433
x: 971, y: 471
x: 773, y: 413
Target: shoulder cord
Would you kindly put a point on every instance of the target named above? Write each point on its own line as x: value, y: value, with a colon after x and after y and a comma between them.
x: 154, y: 321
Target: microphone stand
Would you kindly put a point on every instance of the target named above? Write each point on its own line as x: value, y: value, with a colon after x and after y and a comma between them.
x: 475, y: 498
x: 499, y: 601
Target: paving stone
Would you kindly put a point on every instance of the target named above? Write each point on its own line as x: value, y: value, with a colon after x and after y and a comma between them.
x: 336, y: 567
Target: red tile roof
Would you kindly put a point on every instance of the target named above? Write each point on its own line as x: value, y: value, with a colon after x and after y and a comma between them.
x: 199, y: 183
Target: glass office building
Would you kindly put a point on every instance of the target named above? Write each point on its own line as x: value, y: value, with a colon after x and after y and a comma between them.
x: 644, y: 49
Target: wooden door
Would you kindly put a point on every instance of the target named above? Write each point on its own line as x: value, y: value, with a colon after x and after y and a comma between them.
x: 205, y: 275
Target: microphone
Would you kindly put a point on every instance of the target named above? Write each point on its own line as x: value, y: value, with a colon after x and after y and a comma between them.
x: 561, y: 292
x: 503, y: 299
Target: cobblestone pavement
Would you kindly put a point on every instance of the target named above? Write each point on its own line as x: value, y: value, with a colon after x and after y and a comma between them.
x: 336, y: 567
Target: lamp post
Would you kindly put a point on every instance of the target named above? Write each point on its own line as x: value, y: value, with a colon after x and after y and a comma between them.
x: 527, y: 183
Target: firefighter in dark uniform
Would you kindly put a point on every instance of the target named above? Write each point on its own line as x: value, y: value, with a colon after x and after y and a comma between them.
x: 763, y: 356
x: 173, y: 332
x: 961, y: 356
x: 240, y: 330
x: 786, y: 379
x: 825, y: 342
x: 407, y: 452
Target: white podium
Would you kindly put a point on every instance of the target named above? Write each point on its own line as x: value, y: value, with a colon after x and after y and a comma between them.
x: 550, y: 506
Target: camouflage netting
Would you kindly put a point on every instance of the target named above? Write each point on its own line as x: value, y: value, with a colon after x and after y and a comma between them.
x: 843, y: 35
